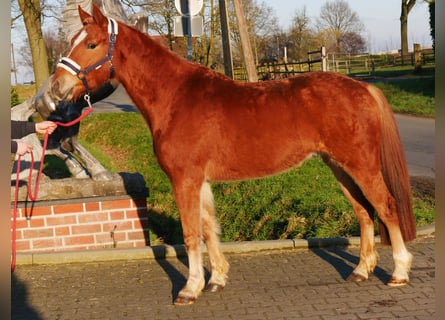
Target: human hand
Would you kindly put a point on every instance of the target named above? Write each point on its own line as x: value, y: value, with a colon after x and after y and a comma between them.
x: 23, y: 148
x: 46, y: 126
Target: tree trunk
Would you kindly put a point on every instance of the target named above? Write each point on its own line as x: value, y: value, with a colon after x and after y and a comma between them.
x: 407, y: 5
x: 245, y: 42
x: 32, y: 17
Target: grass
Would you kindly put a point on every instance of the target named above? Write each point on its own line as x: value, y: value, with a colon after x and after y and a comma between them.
x: 301, y: 203
x: 411, y: 96
x: 25, y: 92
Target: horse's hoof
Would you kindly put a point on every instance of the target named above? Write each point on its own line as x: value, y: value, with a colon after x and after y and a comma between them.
x: 184, y: 301
x: 355, y: 277
x: 394, y: 282
x: 213, y: 287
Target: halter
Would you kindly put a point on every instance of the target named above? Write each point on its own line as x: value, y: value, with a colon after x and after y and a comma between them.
x: 72, y: 67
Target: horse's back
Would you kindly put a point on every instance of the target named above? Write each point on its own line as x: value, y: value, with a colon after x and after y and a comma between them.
x: 259, y: 129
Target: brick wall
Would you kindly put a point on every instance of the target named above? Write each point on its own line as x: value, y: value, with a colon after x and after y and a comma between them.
x: 84, y: 224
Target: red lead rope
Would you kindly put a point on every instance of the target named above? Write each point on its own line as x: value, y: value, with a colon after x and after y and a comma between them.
x: 33, y: 196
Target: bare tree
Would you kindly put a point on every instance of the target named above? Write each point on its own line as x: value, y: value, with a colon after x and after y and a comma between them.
x: 407, y: 5
x: 336, y: 20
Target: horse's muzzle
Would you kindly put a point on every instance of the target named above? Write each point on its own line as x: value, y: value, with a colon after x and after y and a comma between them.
x: 62, y: 88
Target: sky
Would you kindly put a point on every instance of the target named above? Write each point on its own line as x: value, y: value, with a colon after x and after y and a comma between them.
x: 380, y: 17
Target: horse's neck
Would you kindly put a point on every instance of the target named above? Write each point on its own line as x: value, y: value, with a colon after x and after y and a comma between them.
x: 149, y: 72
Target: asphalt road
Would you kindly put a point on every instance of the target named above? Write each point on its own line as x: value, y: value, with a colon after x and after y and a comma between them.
x: 418, y: 134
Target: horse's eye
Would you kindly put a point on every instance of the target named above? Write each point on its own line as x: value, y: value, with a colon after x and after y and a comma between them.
x: 92, y: 45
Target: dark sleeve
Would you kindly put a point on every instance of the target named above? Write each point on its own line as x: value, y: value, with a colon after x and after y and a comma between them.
x: 13, y: 146
x: 19, y: 129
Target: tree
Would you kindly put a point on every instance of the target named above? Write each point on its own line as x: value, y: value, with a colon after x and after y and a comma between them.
x: 407, y: 5
x: 337, y: 20
x: 32, y: 16
x: 432, y: 11
x: 300, y: 36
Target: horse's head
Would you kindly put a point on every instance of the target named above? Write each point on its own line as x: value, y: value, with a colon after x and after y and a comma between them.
x: 89, y: 63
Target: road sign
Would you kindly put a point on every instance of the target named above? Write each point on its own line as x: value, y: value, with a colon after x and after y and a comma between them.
x: 181, y: 25
x: 193, y: 6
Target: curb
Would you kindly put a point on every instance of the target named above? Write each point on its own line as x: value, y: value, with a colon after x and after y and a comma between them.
x: 177, y: 251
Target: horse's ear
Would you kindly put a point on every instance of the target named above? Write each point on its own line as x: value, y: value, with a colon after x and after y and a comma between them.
x: 98, y: 16
x: 83, y: 14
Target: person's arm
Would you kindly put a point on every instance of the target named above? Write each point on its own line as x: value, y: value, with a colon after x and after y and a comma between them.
x: 19, y: 129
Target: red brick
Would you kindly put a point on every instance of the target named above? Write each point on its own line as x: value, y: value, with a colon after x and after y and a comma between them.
x: 139, y: 243
x: 38, y: 233
x: 93, y: 217
x: 35, y: 211
x: 22, y: 245
x: 86, y: 228
x: 116, y: 204
x: 46, y: 243
x: 35, y: 222
x: 104, y: 238
x: 92, y: 206
x: 140, y: 224
x: 124, y: 225
x: 136, y: 214
x: 135, y: 235
x: 23, y: 223
x: 62, y: 231
x: 109, y: 226
x: 79, y: 240
x: 68, y: 208
x: 117, y: 215
x: 61, y: 220
x: 120, y: 236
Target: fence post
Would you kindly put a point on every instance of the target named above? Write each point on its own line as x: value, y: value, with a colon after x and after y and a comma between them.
x: 417, y: 57
x: 324, y: 59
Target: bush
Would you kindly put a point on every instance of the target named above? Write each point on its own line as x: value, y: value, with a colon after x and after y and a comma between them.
x: 14, y: 97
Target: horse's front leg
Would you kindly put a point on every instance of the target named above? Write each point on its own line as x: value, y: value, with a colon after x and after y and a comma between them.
x: 210, y: 232
x: 187, y: 195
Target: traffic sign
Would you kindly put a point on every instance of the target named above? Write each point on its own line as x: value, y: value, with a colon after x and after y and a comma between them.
x: 193, y: 6
x: 181, y: 26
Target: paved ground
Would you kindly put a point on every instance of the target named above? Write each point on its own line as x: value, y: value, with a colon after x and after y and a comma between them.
x: 273, y: 284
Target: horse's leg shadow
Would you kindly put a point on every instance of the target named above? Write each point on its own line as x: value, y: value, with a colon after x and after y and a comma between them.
x: 344, y: 262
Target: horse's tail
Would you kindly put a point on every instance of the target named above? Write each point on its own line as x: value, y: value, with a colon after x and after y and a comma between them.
x: 394, y: 170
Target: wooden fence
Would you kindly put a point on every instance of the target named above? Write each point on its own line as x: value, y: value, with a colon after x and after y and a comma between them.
x: 318, y: 60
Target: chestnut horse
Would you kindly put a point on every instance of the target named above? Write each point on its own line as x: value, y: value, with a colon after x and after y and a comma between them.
x: 207, y: 127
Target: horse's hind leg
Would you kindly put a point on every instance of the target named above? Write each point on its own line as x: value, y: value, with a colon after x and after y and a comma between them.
x: 376, y: 192
x: 364, y: 213
x: 210, y: 232
x: 385, y: 204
